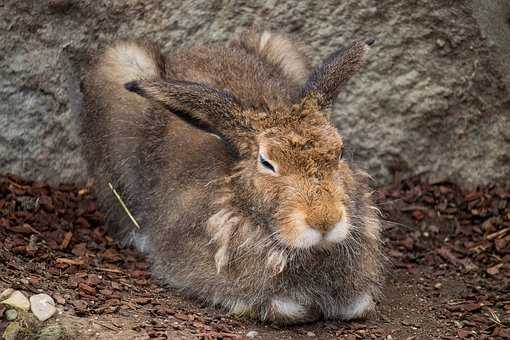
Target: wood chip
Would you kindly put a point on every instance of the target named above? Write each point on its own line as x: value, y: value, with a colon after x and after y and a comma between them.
x: 67, y: 238
x: 76, y: 262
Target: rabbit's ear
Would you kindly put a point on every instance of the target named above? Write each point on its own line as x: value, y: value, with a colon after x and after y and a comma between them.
x: 327, y: 79
x: 203, y: 106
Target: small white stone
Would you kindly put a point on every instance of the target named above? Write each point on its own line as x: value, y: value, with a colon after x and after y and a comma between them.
x: 42, y: 306
x: 310, y: 334
x: 252, y: 334
x: 17, y: 300
x: 10, y: 314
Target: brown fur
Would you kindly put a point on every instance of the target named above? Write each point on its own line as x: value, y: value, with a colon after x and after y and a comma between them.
x: 216, y: 222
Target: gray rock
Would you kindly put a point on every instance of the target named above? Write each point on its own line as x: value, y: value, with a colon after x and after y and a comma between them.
x: 432, y: 99
x: 17, y: 300
x: 43, y: 306
x: 10, y: 314
x: 494, y: 20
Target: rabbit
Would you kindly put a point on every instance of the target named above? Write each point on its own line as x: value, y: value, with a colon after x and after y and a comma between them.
x: 224, y: 156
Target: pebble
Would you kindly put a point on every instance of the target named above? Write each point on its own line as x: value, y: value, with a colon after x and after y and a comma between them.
x: 42, y: 306
x: 252, y: 334
x: 52, y: 332
x: 12, y: 331
x: 17, y: 300
x: 6, y: 293
x: 10, y: 314
x: 310, y: 334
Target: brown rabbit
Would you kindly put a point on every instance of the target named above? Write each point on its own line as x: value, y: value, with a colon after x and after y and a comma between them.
x: 225, y: 157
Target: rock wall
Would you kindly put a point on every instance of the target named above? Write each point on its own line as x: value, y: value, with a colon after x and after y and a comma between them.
x: 433, y: 98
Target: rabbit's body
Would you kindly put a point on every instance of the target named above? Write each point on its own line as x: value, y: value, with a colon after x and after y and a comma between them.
x: 210, y: 223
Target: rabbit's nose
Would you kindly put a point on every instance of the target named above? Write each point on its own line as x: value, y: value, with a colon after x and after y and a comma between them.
x: 324, y: 223
x: 323, y: 228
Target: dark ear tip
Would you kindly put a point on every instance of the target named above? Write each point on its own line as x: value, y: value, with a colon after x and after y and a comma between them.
x: 133, y: 86
x: 370, y: 41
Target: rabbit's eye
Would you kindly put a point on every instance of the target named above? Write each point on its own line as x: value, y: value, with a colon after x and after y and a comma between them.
x: 265, y: 163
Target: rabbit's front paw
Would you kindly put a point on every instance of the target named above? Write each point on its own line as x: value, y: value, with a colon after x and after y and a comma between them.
x: 359, y: 308
x: 278, y: 309
x: 282, y: 310
x: 286, y: 309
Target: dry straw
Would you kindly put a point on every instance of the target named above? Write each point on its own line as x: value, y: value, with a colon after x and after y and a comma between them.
x: 123, y: 205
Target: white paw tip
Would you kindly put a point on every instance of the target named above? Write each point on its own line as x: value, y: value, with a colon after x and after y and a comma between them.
x: 288, y: 308
x: 359, y: 308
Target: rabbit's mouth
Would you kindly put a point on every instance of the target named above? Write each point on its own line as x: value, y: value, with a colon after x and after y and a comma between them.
x: 297, y: 233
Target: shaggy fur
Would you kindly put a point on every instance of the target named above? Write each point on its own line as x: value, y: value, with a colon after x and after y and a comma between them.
x: 225, y: 157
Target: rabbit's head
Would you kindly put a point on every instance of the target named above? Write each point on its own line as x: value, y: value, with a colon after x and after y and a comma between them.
x: 290, y: 173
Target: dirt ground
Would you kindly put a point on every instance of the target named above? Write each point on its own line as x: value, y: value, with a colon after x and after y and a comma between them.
x: 449, y: 272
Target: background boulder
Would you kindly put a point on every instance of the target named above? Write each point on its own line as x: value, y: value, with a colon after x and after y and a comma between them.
x: 433, y: 98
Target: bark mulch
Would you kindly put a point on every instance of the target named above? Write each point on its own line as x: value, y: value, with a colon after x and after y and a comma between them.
x: 449, y: 275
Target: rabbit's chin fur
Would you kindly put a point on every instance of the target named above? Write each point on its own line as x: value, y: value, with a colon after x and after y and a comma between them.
x: 305, y: 236
x: 285, y: 249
